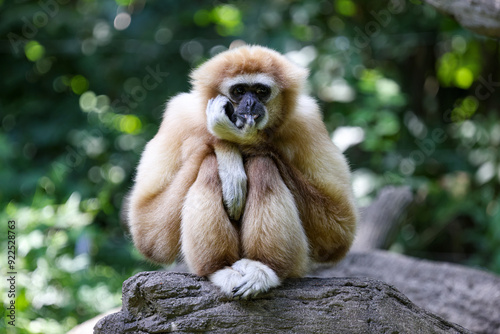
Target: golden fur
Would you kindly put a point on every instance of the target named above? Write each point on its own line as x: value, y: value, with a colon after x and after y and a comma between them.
x: 299, y: 205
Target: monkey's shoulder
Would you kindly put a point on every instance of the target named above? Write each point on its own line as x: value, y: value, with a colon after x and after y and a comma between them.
x: 184, y: 111
x: 183, y: 105
x: 304, y: 122
x: 307, y: 110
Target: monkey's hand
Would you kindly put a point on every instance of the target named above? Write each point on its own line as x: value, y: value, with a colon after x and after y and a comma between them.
x: 233, y: 178
x: 219, y: 124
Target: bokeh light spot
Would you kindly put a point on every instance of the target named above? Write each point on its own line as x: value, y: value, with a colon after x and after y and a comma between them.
x: 228, y: 20
x: 345, y: 7
x: 459, y: 44
x: 465, y: 110
x: 464, y: 78
x: 130, y: 124
x: 116, y: 174
x: 79, y: 84
x: 446, y: 68
x: 122, y: 21
x: 34, y: 51
x: 43, y: 65
x: 163, y: 36
x: 227, y: 15
x: 88, y: 101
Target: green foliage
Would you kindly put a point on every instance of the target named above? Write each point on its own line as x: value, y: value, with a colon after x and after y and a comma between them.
x: 413, y: 96
x: 55, y: 275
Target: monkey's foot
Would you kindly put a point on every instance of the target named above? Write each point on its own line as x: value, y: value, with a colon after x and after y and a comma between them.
x: 246, y: 278
x: 226, y: 279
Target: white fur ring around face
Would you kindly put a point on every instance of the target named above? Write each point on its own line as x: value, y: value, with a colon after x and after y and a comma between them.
x: 246, y: 278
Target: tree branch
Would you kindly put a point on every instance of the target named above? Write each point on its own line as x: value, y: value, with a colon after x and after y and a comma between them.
x: 159, y: 302
x: 480, y: 16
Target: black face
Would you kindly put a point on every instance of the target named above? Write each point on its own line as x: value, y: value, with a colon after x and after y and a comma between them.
x: 249, y: 101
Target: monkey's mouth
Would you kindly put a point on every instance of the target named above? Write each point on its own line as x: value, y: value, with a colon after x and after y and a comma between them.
x: 240, y: 120
x: 246, y: 119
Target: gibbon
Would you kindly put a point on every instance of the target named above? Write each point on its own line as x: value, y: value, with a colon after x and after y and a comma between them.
x: 242, y: 178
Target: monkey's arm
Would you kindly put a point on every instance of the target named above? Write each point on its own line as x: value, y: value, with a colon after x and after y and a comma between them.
x: 168, y: 167
x: 233, y: 178
x: 229, y: 160
x: 318, y: 175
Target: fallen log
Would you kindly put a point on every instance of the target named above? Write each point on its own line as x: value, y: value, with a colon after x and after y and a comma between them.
x: 162, y: 302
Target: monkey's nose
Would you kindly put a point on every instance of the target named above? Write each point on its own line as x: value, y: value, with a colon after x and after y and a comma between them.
x: 249, y: 105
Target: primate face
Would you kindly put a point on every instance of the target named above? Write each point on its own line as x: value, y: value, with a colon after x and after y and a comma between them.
x: 249, y: 95
x: 249, y: 104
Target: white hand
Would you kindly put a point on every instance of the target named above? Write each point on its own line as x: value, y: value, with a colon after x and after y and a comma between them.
x: 217, y: 121
x: 221, y: 126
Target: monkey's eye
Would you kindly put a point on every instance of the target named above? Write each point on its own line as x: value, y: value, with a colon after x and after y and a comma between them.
x: 238, y: 90
x: 262, y: 91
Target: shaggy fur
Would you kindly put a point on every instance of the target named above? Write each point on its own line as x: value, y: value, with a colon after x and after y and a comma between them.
x: 294, y: 205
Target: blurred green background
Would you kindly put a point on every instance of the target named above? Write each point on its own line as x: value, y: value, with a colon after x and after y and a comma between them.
x: 413, y: 96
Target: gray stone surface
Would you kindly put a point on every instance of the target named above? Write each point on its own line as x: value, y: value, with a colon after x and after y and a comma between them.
x: 161, y: 302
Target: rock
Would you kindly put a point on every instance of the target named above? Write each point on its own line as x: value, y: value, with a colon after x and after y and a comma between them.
x: 159, y: 302
x: 459, y: 294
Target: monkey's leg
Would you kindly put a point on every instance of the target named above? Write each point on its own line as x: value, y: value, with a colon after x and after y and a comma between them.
x: 155, y: 217
x: 274, y: 243
x: 328, y: 220
x: 329, y: 224
x: 209, y: 241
